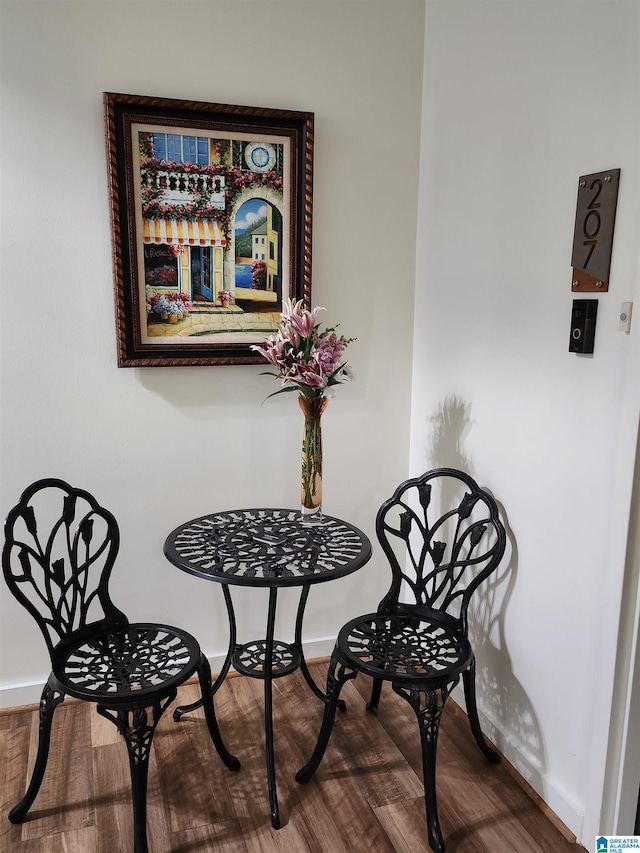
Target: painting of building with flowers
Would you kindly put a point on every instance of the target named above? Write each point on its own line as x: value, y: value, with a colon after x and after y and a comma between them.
x: 210, y: 215
x: 211, y: 226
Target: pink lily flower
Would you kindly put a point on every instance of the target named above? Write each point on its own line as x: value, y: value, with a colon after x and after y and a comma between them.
x: 305, y: 322
x: 304, y: 357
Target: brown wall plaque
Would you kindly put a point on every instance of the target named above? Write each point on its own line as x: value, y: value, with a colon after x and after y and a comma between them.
x: 593, y: 234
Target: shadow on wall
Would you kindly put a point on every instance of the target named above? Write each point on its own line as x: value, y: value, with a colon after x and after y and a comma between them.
x: 450, y: 427
x: 501, y: 697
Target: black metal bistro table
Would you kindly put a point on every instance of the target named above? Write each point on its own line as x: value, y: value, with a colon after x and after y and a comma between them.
x: 270, y: 548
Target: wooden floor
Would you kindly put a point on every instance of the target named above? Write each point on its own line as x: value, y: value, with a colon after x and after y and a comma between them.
x: 366, y: 796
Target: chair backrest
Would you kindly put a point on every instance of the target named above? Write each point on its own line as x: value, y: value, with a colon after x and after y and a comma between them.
x: 442, y: 535
x: 60, y: 547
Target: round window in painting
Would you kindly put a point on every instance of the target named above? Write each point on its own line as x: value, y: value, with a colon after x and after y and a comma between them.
x: 260, y: 156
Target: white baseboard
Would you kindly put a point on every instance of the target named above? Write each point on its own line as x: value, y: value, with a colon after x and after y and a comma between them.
x: 528, y: 767
x: 16, y: 695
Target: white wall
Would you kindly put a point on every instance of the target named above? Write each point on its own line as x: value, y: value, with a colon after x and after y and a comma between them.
x: 144, y: 440
x: 520, y: 99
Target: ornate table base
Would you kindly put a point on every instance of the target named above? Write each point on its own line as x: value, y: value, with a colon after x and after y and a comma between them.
x: 249, y: 659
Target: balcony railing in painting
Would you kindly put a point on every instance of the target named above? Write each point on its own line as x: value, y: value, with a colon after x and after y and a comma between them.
x: 185, y: 187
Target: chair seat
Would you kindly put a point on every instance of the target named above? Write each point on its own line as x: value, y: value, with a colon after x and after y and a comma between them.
x: 403, y: 648
x: 141, y: 662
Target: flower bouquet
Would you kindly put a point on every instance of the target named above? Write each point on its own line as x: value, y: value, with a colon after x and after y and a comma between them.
x: 307, y: 360
x: 310, y: 362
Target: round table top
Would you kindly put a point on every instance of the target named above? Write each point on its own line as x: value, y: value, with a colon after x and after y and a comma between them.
x: 267, y: 547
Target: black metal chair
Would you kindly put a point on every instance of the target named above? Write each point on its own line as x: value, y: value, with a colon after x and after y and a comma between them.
x: 60, y: 572
x: 441, y: 544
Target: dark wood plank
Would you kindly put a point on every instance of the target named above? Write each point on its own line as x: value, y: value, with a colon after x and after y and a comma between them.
x: 66, y: 799
x: 72, y: 841
x: 113, y: 806
x: 478, y: 802
x: 367, y: 794
x: 193, y: 784
x: 14, y: 748
x: 329, y: 825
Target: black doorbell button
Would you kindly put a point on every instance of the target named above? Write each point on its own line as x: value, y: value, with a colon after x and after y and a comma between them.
x: 583, y: 325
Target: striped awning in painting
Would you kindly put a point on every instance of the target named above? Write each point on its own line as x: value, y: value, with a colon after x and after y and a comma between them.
x: 183, y: 232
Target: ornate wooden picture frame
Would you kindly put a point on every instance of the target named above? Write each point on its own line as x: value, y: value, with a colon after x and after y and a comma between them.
x: 211, y: 226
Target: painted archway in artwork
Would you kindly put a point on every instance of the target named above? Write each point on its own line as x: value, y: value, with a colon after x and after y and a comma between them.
x: 275, y: 248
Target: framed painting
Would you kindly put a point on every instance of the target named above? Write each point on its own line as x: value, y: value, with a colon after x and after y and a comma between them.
x: 211, y: 226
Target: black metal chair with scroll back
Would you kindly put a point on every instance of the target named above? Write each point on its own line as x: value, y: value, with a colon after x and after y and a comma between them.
x: 59, y: 567
x: 441, y: 544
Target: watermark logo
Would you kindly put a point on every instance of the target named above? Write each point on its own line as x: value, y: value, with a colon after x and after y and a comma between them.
x: 617, y: 843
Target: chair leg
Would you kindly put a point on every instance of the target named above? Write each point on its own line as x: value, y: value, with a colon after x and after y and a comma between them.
x: 376, y: 690
x: 136, y: 728
x: 428, y: 706
x: 204, y: 675
x: 49, y: 701
x: 469, y: 681
x: 335, y: 683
